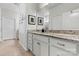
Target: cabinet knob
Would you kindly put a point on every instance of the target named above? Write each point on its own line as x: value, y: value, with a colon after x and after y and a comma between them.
x: 60, y: 44
x: 38, y: 43
x: 58, y: 55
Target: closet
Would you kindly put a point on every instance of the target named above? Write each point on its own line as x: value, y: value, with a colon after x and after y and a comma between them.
x: 7, y: 24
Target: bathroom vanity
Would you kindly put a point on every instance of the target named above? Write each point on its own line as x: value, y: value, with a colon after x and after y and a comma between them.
x: 53, y: 44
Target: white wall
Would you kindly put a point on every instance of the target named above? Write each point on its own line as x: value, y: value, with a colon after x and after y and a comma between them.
x: 71, y: 20
x: 25, y: 10
x: 43, y: 12
x: 22, y: 26
x: 31, y: 10
x: 57, y: 22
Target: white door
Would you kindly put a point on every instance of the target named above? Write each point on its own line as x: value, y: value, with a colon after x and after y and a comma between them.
x: 8, y: 24
x: 0, y: 24
x: 44, y: 49
x: 8, y: 29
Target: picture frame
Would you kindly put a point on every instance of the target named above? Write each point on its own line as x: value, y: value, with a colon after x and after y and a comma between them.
x: 31, y: 19
x: 40, y: 20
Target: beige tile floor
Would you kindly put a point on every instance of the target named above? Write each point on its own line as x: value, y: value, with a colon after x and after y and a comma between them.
x: 12, y: 48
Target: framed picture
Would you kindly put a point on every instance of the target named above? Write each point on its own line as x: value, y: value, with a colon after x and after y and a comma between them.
x: 31, y: 19
x: 40, y: 20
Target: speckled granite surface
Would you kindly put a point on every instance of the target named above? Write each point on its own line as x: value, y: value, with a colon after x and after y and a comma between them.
x: 75, y: 32
x: 65, y: 34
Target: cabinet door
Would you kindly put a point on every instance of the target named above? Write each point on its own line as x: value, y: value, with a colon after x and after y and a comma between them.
x: 30, y: 46
x: 54, y: 51
x: 0, y: 25
x: 36, y: 47
x: 44, y: 49
x: 30, y: 41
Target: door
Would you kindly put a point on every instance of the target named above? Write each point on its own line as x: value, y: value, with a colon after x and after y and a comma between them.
x: 0, y: 25
x: 36, y: 47
x: 8, y: 31
x: 44, y: 49
x: 8, y: 24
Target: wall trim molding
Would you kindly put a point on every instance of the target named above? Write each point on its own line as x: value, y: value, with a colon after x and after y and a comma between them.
x: 23, y: 46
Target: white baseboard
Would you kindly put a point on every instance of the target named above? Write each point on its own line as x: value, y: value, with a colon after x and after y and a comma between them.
x: 1, y: 40
x: 9, y: 39
x: 23, y: 46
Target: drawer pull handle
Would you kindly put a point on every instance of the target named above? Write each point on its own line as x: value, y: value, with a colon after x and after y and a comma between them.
x: 60, y: 44
x: 38, y: 43
x: 58, y: 55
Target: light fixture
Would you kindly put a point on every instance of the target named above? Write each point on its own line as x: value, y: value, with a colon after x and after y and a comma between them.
x: 17, y: 4
x: 74, y: 13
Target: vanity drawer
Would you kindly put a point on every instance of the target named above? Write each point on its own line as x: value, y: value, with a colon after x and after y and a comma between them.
x: 54, y: 51
x: 65, y: 44
x: 35, y: 36
x: 41, y: 38
x: 44, y: 39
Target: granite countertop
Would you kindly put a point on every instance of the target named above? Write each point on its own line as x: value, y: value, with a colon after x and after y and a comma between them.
x: 59, y: 35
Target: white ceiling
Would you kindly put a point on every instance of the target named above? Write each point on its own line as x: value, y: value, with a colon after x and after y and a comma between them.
x: 52, y: 5
x: 48, y: 5
x: 15, y: 6
x: 10, y: 6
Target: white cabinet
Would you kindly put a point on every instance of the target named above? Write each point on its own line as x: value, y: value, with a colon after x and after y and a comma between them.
x: 62, y: 47
x: 71, y: 46
x: 54, y: 51
x: 36, y: 47
x: 52, y: 46
x: 40, y: 45
x: 44, y: 49
x: 0, y: 25
x: 29, y: 41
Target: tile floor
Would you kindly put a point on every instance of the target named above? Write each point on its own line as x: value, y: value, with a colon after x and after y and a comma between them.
x: 12, y: 48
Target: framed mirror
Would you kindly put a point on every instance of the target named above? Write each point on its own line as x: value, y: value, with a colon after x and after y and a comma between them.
x: 31, y: 19
x: 40, y: 20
